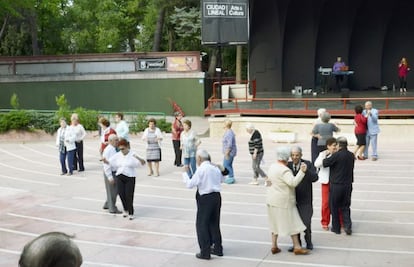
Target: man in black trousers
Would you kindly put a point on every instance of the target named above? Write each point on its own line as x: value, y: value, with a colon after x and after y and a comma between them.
x: 304, y: 196
x: 341, y: 177
x: 207, y: 178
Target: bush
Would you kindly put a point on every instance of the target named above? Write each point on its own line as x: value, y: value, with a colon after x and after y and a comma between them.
x: 88, y: 118
x: 18, y: 120
x: 139, y: 124
x: 164, y: 125
x: 47, y: 122
x: 4, y: 125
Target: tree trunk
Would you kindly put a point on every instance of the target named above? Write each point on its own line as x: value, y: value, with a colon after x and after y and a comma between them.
x: 33, y: 31
x: 239, y: 54
x: 158, y: 31
x: 213, y: 63
x: 3, y: 27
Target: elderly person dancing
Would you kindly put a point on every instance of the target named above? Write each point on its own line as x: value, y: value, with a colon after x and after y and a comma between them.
x: 282, y: 212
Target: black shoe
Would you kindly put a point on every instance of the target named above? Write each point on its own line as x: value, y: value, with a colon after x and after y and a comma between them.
x: 115, y: 211
x: 203, y: 257
x: 291, y: 249
x: 338, y: 232
x: 348, y: 231
x: 216, y: 252
x: 309, y: 246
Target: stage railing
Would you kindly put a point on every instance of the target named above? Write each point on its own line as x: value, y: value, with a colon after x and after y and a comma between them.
x: 388, y: 106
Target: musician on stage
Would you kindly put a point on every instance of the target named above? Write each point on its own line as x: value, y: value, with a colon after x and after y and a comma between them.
x: 338, y: 66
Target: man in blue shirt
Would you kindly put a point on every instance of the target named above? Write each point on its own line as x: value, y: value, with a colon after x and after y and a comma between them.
x: 373, y: 129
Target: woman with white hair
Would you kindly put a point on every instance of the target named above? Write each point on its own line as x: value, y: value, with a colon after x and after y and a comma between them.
x: 256, y: 151
x: 282, y: 212
x: 314, y: 141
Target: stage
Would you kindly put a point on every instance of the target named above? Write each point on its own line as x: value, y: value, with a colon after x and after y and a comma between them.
x: 339, y: 103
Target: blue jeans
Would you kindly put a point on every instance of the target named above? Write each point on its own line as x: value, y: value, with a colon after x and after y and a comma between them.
x: 62, y: 159
x: 228, y: 164
x: 371, y: 139
x: 71, y: 160
x: 192, y: 166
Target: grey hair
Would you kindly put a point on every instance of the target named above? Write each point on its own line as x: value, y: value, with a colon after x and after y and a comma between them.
x: 342, y: 141
x: 321, y: 111
x: 249, y: 126
x: 283, y: 153
x: 50, y: 250
x: 325, y: 117
x: 296, y: 149
x: 112, y: 137
x: 203, y: 154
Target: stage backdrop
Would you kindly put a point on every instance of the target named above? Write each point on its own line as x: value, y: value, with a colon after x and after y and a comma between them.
x: 291, y: 39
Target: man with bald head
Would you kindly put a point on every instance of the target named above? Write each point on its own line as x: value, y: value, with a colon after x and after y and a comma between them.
x: 304, y: 196
x: 207, y: 178
x: 373, y: 129
x: 53, y: 249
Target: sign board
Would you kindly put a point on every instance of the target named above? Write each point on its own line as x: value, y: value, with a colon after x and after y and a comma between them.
x: 154, y: 64
x: 225, y: 22
x: 183, y: 63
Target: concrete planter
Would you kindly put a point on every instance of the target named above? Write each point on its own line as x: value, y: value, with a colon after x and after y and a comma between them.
x: 283, y: 137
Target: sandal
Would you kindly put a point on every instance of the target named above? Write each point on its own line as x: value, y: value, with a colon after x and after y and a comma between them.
x: 275, y: 250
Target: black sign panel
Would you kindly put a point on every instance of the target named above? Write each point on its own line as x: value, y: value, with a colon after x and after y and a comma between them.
x: 225, y: 22
x: 152, y: 64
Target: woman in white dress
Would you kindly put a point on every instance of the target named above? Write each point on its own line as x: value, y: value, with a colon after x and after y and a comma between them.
x: 153, y: 136
x: 282, y: 212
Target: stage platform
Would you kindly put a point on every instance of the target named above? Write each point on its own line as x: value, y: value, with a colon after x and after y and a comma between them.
x: 341, y: 104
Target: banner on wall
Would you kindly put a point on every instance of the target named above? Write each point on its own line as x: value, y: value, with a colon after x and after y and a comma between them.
x: 183, y: 63
x: 225, y: 22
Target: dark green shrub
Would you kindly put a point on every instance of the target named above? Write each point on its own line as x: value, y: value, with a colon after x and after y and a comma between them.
x: 88, y: 118
x: 138, y: 123
x: 18, y: 119
x: 4, y: 125
x: 164, y: 125
x: 47, y: 122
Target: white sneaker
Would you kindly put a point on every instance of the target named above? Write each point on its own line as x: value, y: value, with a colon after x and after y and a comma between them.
x: 254, y: 182
x: 125, y: 214
x: 131, y: 217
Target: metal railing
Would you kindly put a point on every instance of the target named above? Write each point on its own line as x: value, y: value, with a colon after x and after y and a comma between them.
x: 388, y: 106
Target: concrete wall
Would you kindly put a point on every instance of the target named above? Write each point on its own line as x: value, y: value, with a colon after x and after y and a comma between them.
x: 303, y: 127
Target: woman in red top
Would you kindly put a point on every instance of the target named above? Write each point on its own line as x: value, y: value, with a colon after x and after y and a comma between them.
x: 106, y: 131
x: 402, y: 74
x: 360, y: 122
x: 176, y: 129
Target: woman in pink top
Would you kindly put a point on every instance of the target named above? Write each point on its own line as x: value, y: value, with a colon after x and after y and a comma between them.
x: 402, y: 74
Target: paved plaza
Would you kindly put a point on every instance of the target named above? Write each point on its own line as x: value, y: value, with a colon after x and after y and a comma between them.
x: 35, y: 199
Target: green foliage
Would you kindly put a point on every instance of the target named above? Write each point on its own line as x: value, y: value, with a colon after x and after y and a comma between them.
x: 187, y: 27
x: 88, y: 118
x: 16, y: 120
x: 164, y: 125
x: 14, y: 101
x: 63, y: 108
x: 42, y: 121
x: 4, y: 125
x: 140, y: 123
